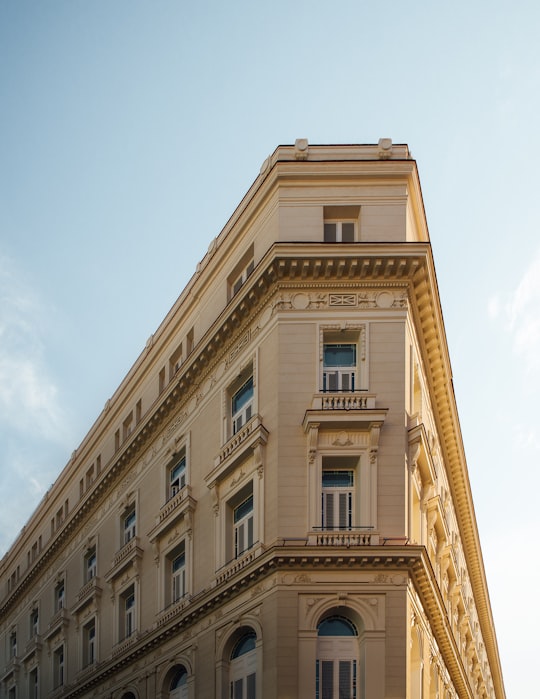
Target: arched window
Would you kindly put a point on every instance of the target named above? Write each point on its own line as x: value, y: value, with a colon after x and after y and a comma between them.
x: 243, y: 666
x: 337, y: 659
x: 178, y: 688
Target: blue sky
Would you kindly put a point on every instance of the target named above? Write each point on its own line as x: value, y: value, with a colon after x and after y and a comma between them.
x: 130, y: 130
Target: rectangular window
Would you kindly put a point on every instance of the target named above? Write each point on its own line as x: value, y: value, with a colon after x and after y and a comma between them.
x: 339, y: 367
x: 90, y: 564
x: 178, y: 573
x: 337, y: 505
x: 335, y: 679
x: 240, y: 279
x: 243, y: 526
x: 12, y: 694
x: 13, y: 644
x: 58, y: 667
x: 89, y: 643
x: 242, y: 405
x: 129, y: 521
x: 339, y: 231
x: 59, y: 596
x: 33, y: 684
x: 34, y: 622
x: 128, y: 601
x: 177, y: 475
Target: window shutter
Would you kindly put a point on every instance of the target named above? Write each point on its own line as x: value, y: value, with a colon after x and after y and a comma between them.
x: 328, y: 510
x: 250, y: 694
x: 344, y: 510
x: 345, y: 678
x: 327, y: 679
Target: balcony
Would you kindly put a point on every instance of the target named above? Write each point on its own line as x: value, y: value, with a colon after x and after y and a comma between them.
x: 126, y: 556
x: 59, y: 621
x: 353, y: 536
x: 179, y: 505
x: 343, y: 400
x: 344, y: 408
x: 126, y: 643
x: 173, y: 610
x: 247, y: 439
x: 89, y: 592
x: 238, y: 564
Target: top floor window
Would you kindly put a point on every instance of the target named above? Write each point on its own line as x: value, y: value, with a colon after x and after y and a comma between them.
x: 59, y: 596
x: 129, y: 524
x: 177, y: 475
x: 339, y: 231
x: 339, y: 367
x: 241, y: 272
x: 90, y: 564
x: 242, y: 405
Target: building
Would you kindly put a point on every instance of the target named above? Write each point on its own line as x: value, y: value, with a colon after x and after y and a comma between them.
x: 275, y: 501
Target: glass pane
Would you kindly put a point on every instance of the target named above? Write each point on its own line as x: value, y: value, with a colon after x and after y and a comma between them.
x: 242, y: 396
x: 330, y: 232
x: 338, y: 479
x: 179, y: 562
x: 336, y: 626
x: 347, y: 232
x: 244, y: 645
x: 243, y: 509
x: 340, y: 355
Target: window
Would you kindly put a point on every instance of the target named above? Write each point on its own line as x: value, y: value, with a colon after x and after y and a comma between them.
x: 178, y: 688
x: 13, y: 644
x: 128, y: 621
x: 128, y: 524
x: 58, y: 667
x: 59, y: 596
x: 178, y: 575
x: 89, y: 643
x: 241, y: 278
x: 243, y: 526
x: 34, y: 622
x: 12, y: 694
x: 337, y: 659
x: 243, y: 666
x: 337, y: 506
x: 90, y: 564
x: 339, y: 231
x: 177, y: 475
x: 242, y: 405
x: 33, y: 684
x: 339, y: 367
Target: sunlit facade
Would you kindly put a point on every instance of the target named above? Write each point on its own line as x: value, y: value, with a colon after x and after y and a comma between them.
x: 275, y: 501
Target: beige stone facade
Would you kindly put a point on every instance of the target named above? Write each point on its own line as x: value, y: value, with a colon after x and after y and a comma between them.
x: 275, y: 501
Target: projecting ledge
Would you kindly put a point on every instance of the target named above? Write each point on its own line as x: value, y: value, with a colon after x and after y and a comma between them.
x: 363, y: 419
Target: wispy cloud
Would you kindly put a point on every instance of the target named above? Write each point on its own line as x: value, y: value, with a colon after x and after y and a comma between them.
x: 34, y: 430
x: 28, y: 395
x: 521, y: 316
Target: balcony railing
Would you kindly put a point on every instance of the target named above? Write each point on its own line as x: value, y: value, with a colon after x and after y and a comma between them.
x: 238, y: 564
x: 343, y: 400
x: 352, y: 536
x: 173, y: 610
